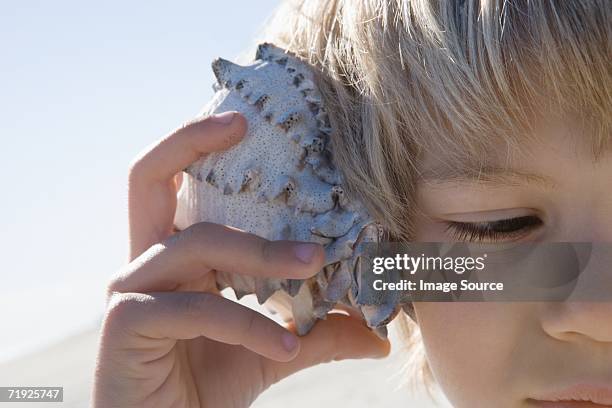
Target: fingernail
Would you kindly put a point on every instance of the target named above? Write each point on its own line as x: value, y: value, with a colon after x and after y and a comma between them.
x: 289, y: 341
x: 304, y: 252
x: 224, y: 118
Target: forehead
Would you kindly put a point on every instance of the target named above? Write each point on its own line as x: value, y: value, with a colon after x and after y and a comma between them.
x: 548, y: 152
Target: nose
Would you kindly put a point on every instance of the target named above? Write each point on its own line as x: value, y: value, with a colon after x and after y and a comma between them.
x: 579, y: 321
x: 589, y: 317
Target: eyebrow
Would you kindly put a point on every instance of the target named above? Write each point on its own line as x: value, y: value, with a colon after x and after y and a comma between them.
x: 484, y: 175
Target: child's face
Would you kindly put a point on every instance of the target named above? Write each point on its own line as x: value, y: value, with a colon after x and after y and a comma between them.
x: 503, y: 354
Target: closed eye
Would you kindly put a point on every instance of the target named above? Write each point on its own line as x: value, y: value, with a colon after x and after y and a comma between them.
x: 509, y: 229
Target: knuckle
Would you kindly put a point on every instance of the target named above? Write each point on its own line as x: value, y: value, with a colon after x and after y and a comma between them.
x: 136, y: 169
x: 125, y: 314
x: 271, y: 259
x: 116, y: 282
x: 268, y: 258
x: 190, y: 239
x: 120, y: 306
x: 199, y: 230
x: 266, y: 251
x: 197, y: 304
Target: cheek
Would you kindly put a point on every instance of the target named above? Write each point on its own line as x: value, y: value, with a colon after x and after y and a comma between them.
x: 471, y: 349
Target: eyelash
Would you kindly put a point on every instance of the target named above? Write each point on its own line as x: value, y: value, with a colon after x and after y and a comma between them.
x: 506, y: 229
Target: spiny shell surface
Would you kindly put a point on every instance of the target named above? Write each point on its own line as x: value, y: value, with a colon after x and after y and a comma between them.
x: 279, y: 182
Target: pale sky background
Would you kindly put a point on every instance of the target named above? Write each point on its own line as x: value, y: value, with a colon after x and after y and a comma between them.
x: 84, y: 86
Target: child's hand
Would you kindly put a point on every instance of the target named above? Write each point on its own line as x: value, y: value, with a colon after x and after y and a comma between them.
x: 168, y: 338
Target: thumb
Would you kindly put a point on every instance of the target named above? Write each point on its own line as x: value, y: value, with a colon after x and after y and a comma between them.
x: 339, y: 337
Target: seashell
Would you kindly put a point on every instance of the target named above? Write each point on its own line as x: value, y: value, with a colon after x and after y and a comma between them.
x: 280, y: 182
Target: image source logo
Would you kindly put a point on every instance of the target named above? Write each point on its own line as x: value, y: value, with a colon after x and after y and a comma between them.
x: 412, y: 264
x: 437, y: 271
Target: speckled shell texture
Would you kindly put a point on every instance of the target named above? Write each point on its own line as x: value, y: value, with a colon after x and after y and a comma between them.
x: 280, y: 183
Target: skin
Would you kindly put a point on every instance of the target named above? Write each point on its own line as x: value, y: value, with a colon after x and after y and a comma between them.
x: 168, y: 338
x: 534, y: 347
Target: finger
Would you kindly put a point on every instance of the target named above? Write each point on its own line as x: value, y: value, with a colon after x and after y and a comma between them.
x: 338, y: 337
x: 187, y: 315
x: 190, y: 254
x: 152, y: 188
x: 170, y: 155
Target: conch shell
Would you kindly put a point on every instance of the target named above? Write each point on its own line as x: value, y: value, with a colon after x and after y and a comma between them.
x: 280, y: 182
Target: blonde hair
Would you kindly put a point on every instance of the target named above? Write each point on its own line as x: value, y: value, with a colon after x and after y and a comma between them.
x: 401, y: 77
